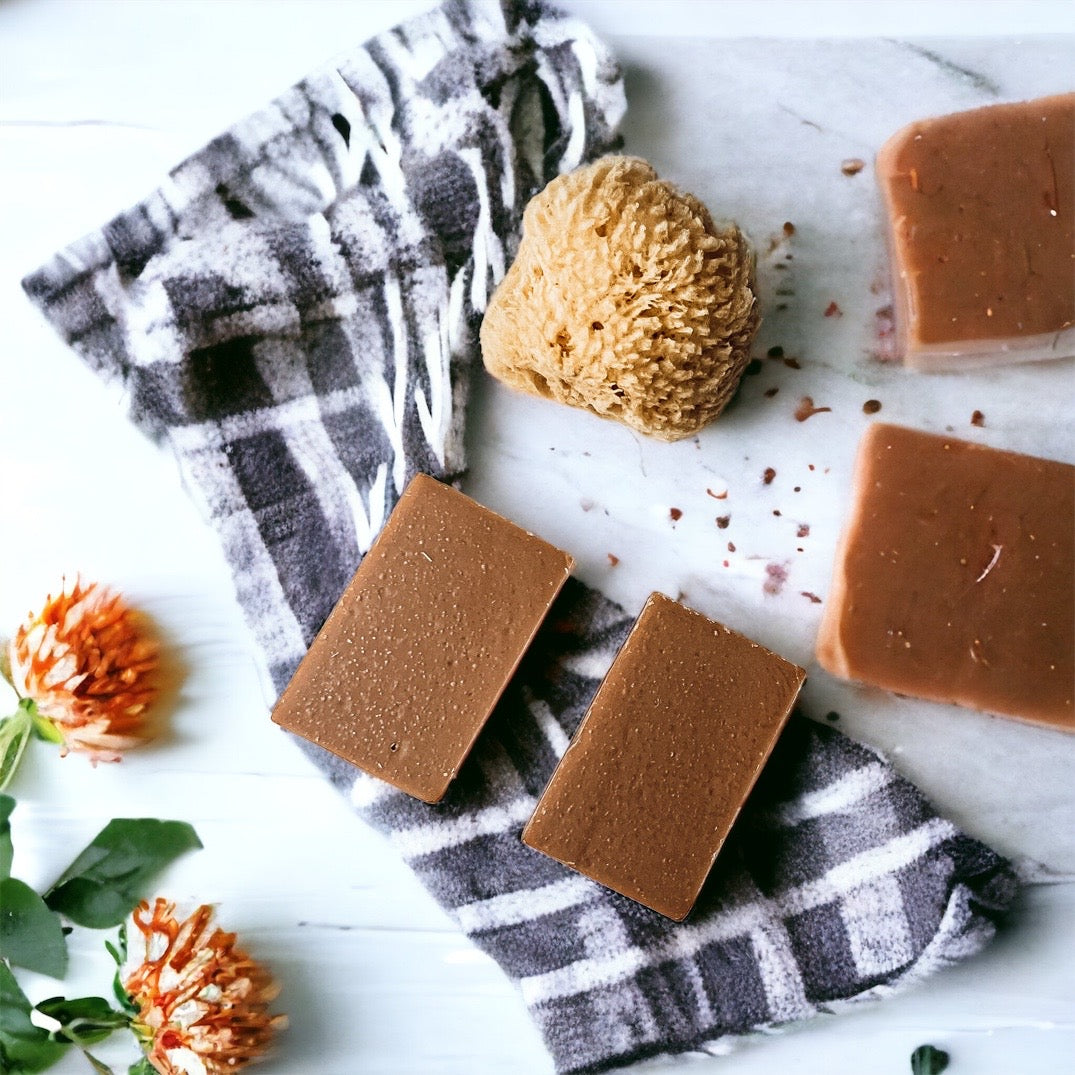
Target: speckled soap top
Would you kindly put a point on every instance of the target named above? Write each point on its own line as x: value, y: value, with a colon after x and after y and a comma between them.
x: 416, y: 653
x: 665, y: 757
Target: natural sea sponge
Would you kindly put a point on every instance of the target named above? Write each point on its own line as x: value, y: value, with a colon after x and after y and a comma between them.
x: 625, y: 298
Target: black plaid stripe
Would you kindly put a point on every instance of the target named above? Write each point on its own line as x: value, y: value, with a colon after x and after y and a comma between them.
x: 498, y: 863
x: 288, y: 516
x: 822, y: 949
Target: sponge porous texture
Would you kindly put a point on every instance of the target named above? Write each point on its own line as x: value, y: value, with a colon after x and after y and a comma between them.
x: 626, y: 299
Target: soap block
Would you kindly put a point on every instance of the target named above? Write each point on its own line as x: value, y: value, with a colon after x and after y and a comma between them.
x: 416, y: 653
x: 955, y: 577
x: 665, y: 756
x: 981, y: 207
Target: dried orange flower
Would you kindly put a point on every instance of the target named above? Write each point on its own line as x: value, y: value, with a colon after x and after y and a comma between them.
x: 88, y: 669
x: 203, y: 1003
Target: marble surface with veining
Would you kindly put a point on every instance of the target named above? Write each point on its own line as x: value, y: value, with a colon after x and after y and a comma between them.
x: 754, y: 115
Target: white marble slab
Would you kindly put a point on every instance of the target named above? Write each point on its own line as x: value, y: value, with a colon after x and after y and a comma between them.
x: 97, y: 101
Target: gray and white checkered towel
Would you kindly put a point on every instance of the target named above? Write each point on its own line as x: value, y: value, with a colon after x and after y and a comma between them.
x: 293, y: 311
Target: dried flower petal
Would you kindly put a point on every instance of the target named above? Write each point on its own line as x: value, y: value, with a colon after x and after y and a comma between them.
x: 89, y: 668
x: 203, y: 1003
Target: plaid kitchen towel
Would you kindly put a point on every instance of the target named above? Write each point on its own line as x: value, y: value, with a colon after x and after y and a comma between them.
x: 293, y: 312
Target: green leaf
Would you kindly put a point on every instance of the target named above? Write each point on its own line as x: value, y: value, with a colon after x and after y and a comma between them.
x: 118, y: 952
x: 31, y: 935
x: 83, y: 1021
x: 7, y: 804
x: 15, y: 732
x: 928, y: 1060
x: 104, y: 884
x: 24, y: 1048
x: 142, y: 1067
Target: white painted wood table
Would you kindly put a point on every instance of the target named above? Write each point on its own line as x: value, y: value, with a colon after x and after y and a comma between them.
x: 99, y: 99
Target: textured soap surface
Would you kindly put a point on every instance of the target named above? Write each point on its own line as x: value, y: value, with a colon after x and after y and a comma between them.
x: 955, y: 577
x: 664, y: 758
x: 420, y: 646
x: 981, y: 234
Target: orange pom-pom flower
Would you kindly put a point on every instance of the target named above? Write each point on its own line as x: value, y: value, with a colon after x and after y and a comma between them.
x: 84, y: 671
x: 202, y: 1003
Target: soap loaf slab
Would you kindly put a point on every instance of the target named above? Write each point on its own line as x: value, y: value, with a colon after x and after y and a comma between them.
x: 955, y: 577
x: 411, y: 662
x: 665, y: 756
x: 981, y: 214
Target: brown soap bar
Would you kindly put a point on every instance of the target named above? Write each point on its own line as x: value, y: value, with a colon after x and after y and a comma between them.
x: 980, y: 208
x: 665, y: 756
x: 955, y: 577
x: 414, y: 656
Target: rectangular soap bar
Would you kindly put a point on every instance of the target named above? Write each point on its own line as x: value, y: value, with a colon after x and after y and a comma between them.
x: 665, y: 757
x: 414, y: 656
x: 955, y: 577
x: 980, y: 211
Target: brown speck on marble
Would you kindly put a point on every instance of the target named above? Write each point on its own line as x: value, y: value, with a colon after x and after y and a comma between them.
x: 814, y: 599
x: 803, y: 531
x: 722, y: 521
x: 832, y: 310
x: 885, y: 330
x: 676, y: 514
x: 613, y: 559
x: 871, y: 406
x: 852, y: 165
x: 775, y: 577
x: 717, y: 496
x: 767, y: 477
x: 806, y: 409
x: 977, y: 419
x: 770, y: 392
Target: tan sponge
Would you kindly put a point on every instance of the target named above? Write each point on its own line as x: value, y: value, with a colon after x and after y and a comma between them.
x: 625, y: 299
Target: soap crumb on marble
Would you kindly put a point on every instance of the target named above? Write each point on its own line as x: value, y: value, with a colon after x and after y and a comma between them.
x: 806, y: 409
